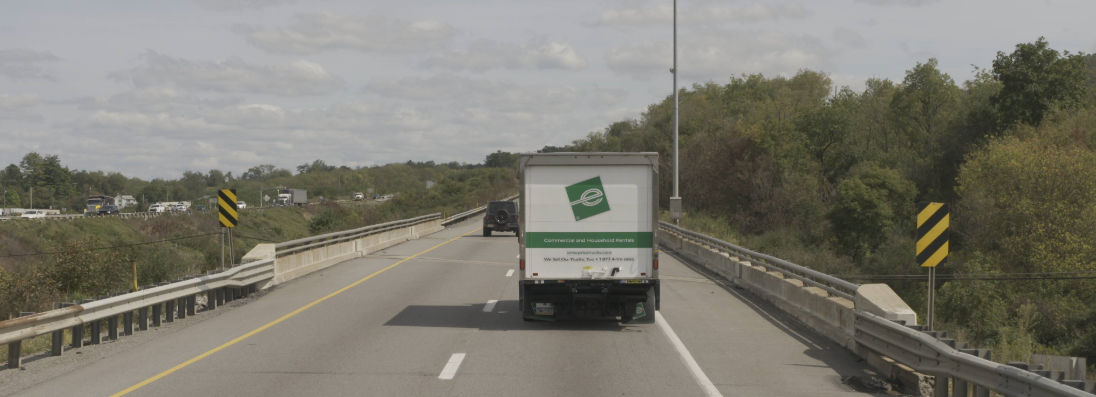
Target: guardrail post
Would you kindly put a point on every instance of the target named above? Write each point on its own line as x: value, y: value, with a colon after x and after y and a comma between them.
x: 15, y: 354
x: 142, y: 319
x: 191, y: 302
x: 157, y: 311
x: 220, y: 296
x: 180, y: 311
x: 78, y: 336
x: 211, y: 300
x: 127, y: 327
x: 169, y: 311
x: 96, y: 332
x: 979, y: 390
x: 959, y: 388
x: 57, y: 342
x: 941, y: 387
x: 112, y: 327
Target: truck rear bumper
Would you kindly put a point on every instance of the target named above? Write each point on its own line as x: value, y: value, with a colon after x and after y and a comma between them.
x: 601, y: 299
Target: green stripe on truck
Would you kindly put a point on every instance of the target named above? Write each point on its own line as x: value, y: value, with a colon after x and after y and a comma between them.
x: 589, y: 240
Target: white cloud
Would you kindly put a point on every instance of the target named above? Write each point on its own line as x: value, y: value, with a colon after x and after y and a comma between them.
x: 19, y: 107
x: 18, y: 101
x: 497, y: 95
x: 849, y: 38
x: 298, y: 78
x: 908, y: 3
x: 484, y: 55
x: 24, y: 64
x: 438, y: 118
x: 701, y: 14
x: 312, y: 33
x: 153, y: 99
x: 235, y: 5
x: 717, y: 55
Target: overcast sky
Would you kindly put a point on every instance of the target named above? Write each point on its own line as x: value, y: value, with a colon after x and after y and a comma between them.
x: 155, y: 88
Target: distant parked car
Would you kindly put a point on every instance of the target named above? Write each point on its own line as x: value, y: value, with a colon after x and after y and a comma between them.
x: 358, y: 196
x: 240, y: 204
x: 157, y: 208
x: 32, y: 214
x: 109, y: 209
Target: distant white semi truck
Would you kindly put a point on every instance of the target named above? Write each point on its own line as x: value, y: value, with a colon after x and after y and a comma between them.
x: 589, y: 231
x: 292, y: 197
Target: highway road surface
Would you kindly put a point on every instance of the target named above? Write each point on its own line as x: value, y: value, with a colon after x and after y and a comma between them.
x: 438, y: 317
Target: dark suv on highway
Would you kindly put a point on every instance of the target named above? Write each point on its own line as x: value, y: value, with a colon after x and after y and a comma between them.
x: 501, y: 216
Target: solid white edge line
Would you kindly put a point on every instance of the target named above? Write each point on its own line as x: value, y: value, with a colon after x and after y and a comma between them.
x: 709, y: 388
x: 510, y: 273
x: 490, y: 305
x: 451, y: 367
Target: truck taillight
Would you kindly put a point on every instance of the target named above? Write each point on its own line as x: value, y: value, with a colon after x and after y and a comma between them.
x: 521, y: 263
x: 656, y: 263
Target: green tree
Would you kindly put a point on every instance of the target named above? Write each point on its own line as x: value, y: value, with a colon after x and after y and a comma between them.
x: 217, y: 178
x: 1034, y: 79
x: 501, y: 159
x: 869, y: 205
x: 315, y: 166
x: 827, y: 130
x: 1029, y: 203
x: 923, y: 109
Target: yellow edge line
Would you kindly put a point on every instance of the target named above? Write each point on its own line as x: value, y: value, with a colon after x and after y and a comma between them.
x: 275, y: 322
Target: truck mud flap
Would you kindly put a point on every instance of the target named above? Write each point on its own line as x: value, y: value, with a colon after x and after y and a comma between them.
x: 644, y: 311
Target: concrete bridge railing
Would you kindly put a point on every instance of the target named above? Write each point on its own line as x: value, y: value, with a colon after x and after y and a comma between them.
x: 869, y: 320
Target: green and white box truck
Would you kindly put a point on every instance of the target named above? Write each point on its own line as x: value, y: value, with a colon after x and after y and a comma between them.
x: 590, y: 227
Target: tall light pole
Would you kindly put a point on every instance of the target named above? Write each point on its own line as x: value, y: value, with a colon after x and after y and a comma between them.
x: 675, y: 200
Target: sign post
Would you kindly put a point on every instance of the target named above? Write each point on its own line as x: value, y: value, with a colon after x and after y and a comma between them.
x: 228, y: 214
x: 933, y: 220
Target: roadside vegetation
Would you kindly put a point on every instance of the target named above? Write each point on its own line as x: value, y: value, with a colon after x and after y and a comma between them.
x: 54, y: 260
x: 830, y: 178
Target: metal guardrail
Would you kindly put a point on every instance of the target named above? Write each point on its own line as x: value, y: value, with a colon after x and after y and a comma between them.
x: 247, y: 276
x: 13, y: 331
x: 908, y: 346
x: 292, y: 246
x: 466, y: 214
x: 462, y: 216
x: 924, y: 353
x: 123, y: 215
x: 808, y: 276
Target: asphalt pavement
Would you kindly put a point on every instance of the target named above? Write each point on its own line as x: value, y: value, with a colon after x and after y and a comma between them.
x: 446, y: 323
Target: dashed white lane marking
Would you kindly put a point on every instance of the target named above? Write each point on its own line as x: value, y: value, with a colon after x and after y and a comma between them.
x: 510, y: 273
x: 490, y: 305
x: 451, y: 367
x: 690, y: 362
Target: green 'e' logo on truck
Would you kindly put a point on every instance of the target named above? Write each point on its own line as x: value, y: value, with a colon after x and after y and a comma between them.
x: 587, y: 198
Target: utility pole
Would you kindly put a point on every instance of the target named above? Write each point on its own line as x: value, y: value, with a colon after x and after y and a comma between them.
x: 675, y: 200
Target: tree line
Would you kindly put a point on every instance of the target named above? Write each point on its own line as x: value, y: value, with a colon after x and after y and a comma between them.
x: 830, y: 178
x: 43, y: 181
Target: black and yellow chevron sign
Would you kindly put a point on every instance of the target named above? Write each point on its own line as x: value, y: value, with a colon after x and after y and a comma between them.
x: 933, y: 220
x: 226, y: 208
